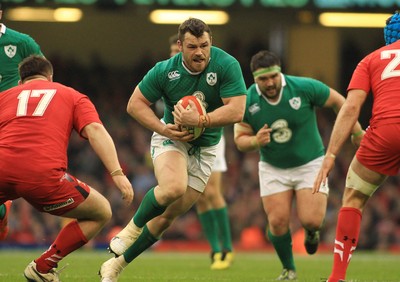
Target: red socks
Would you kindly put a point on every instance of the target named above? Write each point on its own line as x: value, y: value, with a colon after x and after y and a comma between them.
x: 347, y: 232
x: 68, y: 240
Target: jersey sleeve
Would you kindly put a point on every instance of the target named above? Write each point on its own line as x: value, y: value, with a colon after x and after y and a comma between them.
x: 150, y: 85
x: 31, y: 47
x: 234, y: 84
x: 361, y: 77
x: 319, y: 92
x: 84, y: 113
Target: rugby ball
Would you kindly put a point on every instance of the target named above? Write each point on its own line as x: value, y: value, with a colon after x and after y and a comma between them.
x: 196, y: 131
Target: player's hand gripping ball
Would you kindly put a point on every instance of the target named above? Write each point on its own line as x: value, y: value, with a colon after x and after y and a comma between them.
x: 196, y: 131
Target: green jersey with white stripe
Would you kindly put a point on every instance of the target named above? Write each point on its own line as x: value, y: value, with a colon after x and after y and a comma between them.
x: 295, y: 139
x: 14, y: 47
x: 170, y: 80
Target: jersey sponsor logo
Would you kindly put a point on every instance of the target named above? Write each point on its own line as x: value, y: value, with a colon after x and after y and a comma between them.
x: 211, y: 78
x: 281, y: 133
x: 172, y: 75
x: 53, y: 207
x: 255, y: 108
x: 295, y: 103
x: 10, y: 50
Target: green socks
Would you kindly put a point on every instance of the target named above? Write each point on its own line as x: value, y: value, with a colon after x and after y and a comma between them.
x: 215, y: 224
x: 283, y: 247
x: 149, y: 208
x: 224, y: 228
x: 2, y: 211
x: 210, y: 229
x: 143, y: 242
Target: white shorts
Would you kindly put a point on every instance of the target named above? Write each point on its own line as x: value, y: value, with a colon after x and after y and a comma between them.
x: 220, y: 161
x: 274, y: 180
x: 199, y: 159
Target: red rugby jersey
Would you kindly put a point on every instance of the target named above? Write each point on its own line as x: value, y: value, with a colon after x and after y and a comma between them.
x: 379, y: 72
x: 36, y: 121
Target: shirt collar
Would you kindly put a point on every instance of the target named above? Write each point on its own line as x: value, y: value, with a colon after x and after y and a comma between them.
x: 2, y: 29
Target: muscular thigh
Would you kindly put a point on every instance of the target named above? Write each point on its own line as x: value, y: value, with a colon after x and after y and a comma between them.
x: 170, y: 169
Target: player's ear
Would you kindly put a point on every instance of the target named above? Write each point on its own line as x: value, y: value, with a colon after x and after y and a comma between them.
x: 19, y: 82
x: 50, y: 78
x: 180, y: 46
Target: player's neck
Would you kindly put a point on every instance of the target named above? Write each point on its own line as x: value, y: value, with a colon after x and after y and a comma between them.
x: 35, y: 77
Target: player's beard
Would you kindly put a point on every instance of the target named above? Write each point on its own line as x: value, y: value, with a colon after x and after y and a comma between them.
x: 271, y: 93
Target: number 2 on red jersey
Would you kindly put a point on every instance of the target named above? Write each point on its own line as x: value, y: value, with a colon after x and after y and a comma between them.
x: 390, y: 70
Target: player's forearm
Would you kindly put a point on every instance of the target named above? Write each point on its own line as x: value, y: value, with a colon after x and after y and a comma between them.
x: 244, y: 137
x: 146, y: 117
x: 345, y: 123
x: 247, y: 143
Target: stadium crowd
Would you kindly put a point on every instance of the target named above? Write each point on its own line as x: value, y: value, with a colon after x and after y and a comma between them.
x: 110, y: 89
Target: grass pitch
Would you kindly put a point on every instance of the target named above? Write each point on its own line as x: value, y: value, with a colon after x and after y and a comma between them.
x: 158, y: 266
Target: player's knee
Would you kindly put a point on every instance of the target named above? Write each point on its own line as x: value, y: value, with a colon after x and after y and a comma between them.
x: 104, y: 213
x: 278, y: 223
x: 172, y: 192
x: 202, y: 202
x: 210, y: 194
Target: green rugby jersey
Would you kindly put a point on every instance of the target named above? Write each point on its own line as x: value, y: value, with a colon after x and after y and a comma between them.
x: 170, y: 80
x: 295, y: 139
x: 14, y: 47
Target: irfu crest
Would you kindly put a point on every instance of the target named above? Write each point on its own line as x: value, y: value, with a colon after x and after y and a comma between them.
x: 10, y: 50
x: 211, y: 78
x: 295, y: 103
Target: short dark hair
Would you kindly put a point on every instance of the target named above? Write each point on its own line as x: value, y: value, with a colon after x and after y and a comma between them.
x: 264, y: 59
x: 194, y: 26
x: 34, y: 65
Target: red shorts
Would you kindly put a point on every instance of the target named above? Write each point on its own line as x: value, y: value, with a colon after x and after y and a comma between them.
x: 55, y: 199
x: 380, y: 149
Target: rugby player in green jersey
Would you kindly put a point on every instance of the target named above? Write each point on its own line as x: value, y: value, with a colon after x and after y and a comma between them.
x: 182, y: 166
x: 280, y: 121
x: 14, y: 47
x: 211, y: 206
